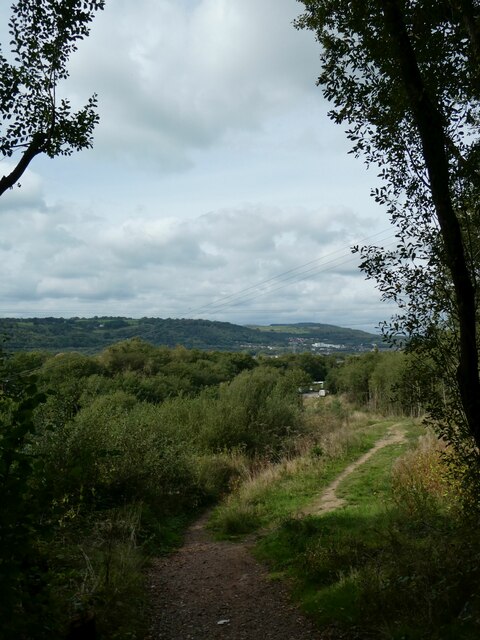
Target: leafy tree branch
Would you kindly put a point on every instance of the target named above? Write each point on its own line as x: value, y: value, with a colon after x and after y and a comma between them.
x: 33, y: 120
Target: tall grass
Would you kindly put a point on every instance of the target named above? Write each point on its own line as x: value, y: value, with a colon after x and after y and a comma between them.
x: 105, y: 566
x: 420, y: 480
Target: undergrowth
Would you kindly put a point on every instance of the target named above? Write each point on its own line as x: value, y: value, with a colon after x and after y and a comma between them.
x: 105, y: 460
x: 103, y: 466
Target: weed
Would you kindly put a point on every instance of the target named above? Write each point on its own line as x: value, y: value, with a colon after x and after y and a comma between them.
x: 237, y: 520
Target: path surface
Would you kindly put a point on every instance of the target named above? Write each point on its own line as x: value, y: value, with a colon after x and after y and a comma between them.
x: 328, y: 501
x: 210, y: 590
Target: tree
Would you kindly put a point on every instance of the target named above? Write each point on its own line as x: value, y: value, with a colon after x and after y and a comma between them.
x: 33, y: 118
x: 404, y: 75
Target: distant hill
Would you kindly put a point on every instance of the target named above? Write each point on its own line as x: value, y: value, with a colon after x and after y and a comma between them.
x: 322, y: 332
x: 91, y: 335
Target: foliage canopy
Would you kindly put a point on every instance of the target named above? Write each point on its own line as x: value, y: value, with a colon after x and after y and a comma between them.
x: 33, y: 118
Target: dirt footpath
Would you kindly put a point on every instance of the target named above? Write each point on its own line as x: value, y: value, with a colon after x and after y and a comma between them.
x: 209, y: 590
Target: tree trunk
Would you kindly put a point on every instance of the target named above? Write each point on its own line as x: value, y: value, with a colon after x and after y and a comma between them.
x: 434, y: 143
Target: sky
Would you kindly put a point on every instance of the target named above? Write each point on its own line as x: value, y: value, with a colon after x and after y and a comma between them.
x: 217, y: 186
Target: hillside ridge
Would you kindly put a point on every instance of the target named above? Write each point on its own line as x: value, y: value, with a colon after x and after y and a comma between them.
x: 91, y: 335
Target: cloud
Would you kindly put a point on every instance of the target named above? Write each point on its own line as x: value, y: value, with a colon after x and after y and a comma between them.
x: 173, y: 77
x: 247, y: 263
x: 225, y: 89
x: 27, y: 193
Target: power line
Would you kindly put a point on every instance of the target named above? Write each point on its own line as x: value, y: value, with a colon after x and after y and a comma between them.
x: 297, y: 274
x: 279, y: 281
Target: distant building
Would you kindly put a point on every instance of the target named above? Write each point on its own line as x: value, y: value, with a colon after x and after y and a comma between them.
x: 320, y: 386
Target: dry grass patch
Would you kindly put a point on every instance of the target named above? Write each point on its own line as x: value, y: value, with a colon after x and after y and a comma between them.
x: 421, y: 478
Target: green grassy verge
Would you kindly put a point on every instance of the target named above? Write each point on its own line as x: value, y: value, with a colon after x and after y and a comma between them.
x: 370, y: 483
x: 373, y: 570
x: 282, y: 490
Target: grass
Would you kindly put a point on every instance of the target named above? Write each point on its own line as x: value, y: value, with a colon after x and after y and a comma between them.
x: 103, y: 577
x: 396, y: 561
x: 371, y: 481
x: 277, y: 491
x: 377, y: 569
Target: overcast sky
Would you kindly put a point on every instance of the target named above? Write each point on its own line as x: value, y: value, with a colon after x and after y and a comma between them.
x: 217, y: 186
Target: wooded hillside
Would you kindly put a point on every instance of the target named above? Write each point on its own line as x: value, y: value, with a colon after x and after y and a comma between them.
x: 91, y: 335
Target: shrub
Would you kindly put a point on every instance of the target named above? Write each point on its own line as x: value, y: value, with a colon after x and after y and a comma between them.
x: 258, y: 410
x: 115, y: 451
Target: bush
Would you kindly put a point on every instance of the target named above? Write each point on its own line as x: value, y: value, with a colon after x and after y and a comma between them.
x: 115, y: 451
x: 112, y: 463
x: 258, y: 411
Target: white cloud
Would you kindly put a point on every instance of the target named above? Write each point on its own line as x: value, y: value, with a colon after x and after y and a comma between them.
x: 173, y: 77
x: 242, y: 264
x: 215, y: 187
x: 27, y: 193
